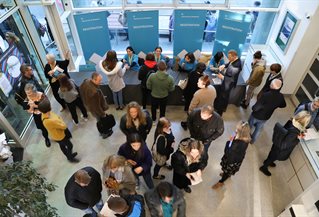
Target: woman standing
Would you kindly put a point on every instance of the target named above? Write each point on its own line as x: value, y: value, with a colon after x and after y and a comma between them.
x: 136, y: 121
x: 189, y: 159
x: 149, y: 67
x: 139, y: 157
x: 164, y: 141
x: 130, y: 60
x: 234, y: 153
x: 68, y: 91
x: 52, y: 70
x: 216, y: 61
x: 113, y: 69
x: 34, y: 97
x: 117, y: 174
x: 188, y: 63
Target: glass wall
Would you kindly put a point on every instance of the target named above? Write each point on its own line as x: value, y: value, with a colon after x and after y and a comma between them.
x: 5, y: 6
x: 16, y: 48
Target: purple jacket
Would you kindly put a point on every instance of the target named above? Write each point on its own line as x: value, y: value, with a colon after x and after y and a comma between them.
x: 143, y: 157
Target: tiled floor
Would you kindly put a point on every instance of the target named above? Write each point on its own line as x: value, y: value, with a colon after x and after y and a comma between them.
x: 248, y: 193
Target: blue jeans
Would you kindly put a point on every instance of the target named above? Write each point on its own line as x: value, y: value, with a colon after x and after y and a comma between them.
x: 118, y: 98
x: 258, y: 124
x: 91, y: 211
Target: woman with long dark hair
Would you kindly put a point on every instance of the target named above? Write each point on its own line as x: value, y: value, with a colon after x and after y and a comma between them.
x: 216, y: 61
x: 139, y: 157
x: 164, y: 141
x: 234, y: 153
x: 188, y: 63
x: 130, y: 60
x: 68, y: 91
x: 114, y: 71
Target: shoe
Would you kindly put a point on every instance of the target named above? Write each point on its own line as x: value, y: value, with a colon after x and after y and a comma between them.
x: 73, y: 155
x: 154, y: 123
x: 104, y: 136
x: 118, y: 108
x: 265, y: 171
x: 169, y: 167
x: 74, y: 160
x: 84, y: 118
x: 121, y: 107
x: 272, y: 164
x: 217, y: 185
x: 63, y: 109
x: 160, y: 177
x: 47, y: 142
x: 243, y: 104
x: 76, y: 124
x: 184, y: 125
x: 221, y: 174
x: 188, y: 189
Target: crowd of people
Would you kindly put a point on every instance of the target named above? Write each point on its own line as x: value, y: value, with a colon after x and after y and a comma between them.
x: 204, y: 107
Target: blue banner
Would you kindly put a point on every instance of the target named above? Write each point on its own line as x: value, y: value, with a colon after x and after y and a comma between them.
x: 231, y: 33
x: 143, y: 30
x: 188, y: 30
x: 93, y: 32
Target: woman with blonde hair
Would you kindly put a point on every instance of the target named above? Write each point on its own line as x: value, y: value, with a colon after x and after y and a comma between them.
x: 136, y: 120
x: 234, y: 153
x: 164, y: 145
x: 69, y: 92
x: 285, y: 138
x: 117, y: 174
x: 188, y: 161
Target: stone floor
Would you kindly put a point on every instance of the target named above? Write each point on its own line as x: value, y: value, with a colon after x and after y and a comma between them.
x: 248, y: 193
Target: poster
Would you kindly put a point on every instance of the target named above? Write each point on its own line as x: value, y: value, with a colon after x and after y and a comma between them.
x: 143, y: 30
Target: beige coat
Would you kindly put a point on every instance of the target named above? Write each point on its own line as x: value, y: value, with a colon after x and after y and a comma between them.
x: 204, y: 96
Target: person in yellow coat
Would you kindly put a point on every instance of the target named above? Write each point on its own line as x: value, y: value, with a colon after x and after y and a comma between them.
x: 57, y: 129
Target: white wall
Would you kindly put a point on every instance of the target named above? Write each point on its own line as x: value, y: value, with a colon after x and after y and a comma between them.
x: 304, y: 44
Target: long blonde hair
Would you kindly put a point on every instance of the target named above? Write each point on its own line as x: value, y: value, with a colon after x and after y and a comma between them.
x: 141, y: 115
x: 243, y: 131
x: 301, y: 120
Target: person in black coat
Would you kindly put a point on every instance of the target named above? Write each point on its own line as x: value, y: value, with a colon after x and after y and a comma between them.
x: 205, y: 125
x: 164, y: 141
x: 136, y: 120
x: 150, y: 66
x: 234, y: 153
x: 83, y: 190
x: 285, y: 140
x: 165, y: 194
x: 139, y: 157
x: 189, y: 158
x: 229, y: 79
x: 265, y: 107
x: 192, y: 87
x: 52, y: 70
x: 275, y: 73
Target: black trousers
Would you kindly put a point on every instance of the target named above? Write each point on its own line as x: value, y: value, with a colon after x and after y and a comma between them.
x: 66, y: 147
x: 272, y: 156
x: 156, y: 169
x: 38, y: 122
x: 161, y: 102
x: 224, y: 177
x: 55, y: 90
x: 72, y: 107
x: 145, y: 96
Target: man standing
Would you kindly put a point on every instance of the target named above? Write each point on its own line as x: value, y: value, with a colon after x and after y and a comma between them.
x: 205, y: 125
x: 264, y: 108
x: 229, y: 79
x: 83, y: 190
x: 57, y: 130
x: 166, y: 200
x: 93, y: 98
x: 255, y: 78
x: 311, y: 107
x: 160, y: 84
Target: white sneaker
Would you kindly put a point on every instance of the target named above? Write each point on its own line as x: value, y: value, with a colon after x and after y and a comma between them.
x: 85, y: 119
x: 75, y: 123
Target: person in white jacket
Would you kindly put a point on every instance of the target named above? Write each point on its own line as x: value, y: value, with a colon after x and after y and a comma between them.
x: 114, y: 71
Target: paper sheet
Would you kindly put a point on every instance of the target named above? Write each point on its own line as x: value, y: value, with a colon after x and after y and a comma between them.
x: 195, y: 179
x: 311, y: 134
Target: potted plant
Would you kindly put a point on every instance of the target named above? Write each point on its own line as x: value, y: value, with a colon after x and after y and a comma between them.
x: 23, y: 191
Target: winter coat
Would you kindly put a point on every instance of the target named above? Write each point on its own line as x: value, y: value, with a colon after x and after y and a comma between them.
x: 84, y: 197
x: 269, y: 79
x: 143, y: 130
x: 160, y: 84
x: 191, y: 86
x: 143, y: 157
x: 143, y: 73
x: 93, y: 98
x: 205, y: 130
x: 123, y: 175
x: 115, y: 76
x: 204, y: 96
x: 153, y: 201
x: 257, y: 73
x: 267, y: 103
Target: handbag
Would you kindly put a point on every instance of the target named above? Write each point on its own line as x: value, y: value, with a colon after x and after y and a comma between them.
x: 183, y: 83
x: 158, y: 158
